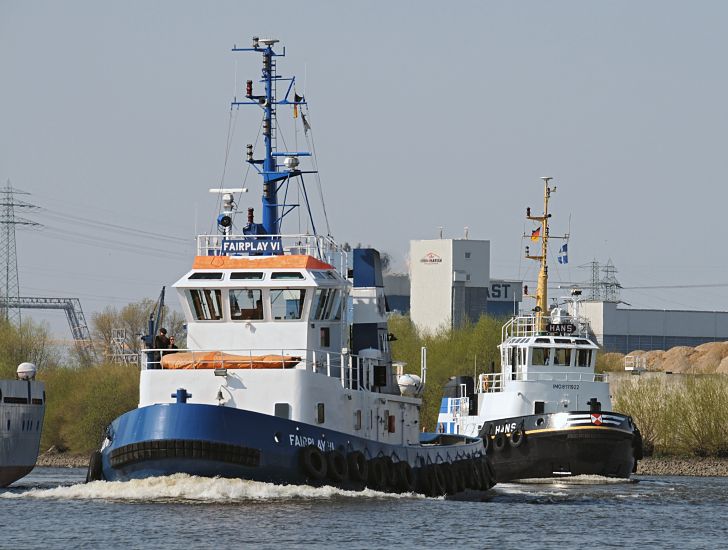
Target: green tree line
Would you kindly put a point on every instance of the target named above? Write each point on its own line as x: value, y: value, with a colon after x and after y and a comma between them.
x: 686, y: 415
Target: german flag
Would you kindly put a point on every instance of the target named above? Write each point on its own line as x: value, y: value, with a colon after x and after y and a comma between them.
x: 535, y: 234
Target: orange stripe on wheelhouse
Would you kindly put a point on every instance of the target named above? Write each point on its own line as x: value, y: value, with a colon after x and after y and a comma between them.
x: 259, y: 262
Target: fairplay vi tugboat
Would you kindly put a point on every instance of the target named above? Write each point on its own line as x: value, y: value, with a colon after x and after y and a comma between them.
x: 288, y: 376
x: 547, y: 413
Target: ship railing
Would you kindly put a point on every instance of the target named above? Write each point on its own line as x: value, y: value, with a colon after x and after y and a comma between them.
x: 528, y: 325
x: 459, y: 406
x: 495, y: 382
x: 353, y: 372
x: 321, y: 247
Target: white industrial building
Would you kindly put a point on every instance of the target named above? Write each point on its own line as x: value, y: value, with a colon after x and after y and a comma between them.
x: 450, y: 283
x: 625, y: 330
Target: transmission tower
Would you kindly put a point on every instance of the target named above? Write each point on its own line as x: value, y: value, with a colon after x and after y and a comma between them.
x: 594, y: 285
x: 610, y: 284
x: 9, y: 283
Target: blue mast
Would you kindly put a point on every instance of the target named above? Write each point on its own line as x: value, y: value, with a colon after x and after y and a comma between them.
x: 273, y: 177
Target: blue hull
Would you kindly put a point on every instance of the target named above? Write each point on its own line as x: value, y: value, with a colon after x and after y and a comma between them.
x: 208, y: 440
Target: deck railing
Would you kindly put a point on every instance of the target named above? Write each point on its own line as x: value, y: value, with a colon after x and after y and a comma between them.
x: 528, y: 325
x: 353, y: 372
x: 495, y: 382
x: 321, y: 247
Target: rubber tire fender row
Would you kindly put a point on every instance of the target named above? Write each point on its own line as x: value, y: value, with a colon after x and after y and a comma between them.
x: 459, y: 472
x: 517, y: 438
x: 405, y: 477
x: 95, y: 468
x: 313, y: 462
x: 390, y: 472
x: 377, y: 474
x: 490, y: 472
x: 358, y: 467
x: 450, y: 483
x: 337, y: 466
x: 438, y: 476
x: 476, y: 478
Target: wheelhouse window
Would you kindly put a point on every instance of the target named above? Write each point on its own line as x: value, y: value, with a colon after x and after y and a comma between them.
x: 287, y: 275
x: 206, y: 303
x: 246, y: 304
x: 562, y: 356
x: 583, y: 358
x: 287, y: 303
x: 206, y: 275
x: 325, y: 304
x: 540, y: 357
x: 246, y: 275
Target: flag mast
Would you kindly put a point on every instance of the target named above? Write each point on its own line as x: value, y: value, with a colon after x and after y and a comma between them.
x: 542, y: 234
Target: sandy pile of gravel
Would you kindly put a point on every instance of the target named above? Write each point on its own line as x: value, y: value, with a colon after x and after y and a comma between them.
x: 704, y: 359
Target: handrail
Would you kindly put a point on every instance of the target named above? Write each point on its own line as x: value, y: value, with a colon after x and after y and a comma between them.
x: 495, y: 382
x: 322, y: 247
x: 527, y: 325
x: 353, y: 372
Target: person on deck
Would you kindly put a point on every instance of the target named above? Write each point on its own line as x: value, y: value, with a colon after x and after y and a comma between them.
x: 160, y: 342
x: 171, y: 347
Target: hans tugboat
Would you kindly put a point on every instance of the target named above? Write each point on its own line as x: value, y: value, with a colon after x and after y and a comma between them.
x: 546, y: 413
x: 288, y: 376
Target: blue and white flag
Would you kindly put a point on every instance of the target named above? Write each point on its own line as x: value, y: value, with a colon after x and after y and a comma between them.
x: 563, y: 254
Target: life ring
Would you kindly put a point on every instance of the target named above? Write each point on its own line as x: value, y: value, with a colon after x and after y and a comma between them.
x: 313, y: 462
x: 336, y: 466
x: 499, y: 442
x: 95, y: 468
x: 405, y: 477
x: 377, y: 475
x: 517, y: 438
x: 357, y: 466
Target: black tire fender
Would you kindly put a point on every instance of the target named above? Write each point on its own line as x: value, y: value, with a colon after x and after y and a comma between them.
x: 95, y: 468
x: 313, y: 462
x: 336, y: 466
x: 358, y: 467
x: 517, y: 438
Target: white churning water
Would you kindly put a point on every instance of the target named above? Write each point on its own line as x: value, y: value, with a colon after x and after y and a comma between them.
x: 181, y: 487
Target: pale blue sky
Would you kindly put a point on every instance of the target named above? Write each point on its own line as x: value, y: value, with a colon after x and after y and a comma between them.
x: 425, y: 114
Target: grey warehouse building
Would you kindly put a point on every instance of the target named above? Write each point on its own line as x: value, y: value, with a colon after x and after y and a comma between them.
x: 625, y: 330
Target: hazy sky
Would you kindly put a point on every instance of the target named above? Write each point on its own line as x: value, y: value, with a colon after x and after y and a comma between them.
x: 424, y: 114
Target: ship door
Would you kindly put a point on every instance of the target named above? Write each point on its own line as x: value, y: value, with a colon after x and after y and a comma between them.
x: 514, y: 362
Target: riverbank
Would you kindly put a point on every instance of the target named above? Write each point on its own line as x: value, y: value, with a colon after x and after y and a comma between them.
x: 54, y: 459
x: 683, y: 466
x: 652, y: 466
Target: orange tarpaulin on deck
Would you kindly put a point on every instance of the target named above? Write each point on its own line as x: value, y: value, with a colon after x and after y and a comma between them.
x: 220, y: 360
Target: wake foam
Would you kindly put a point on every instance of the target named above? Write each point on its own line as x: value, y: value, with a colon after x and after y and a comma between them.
x: 183, y: 487
x: 577, y: 480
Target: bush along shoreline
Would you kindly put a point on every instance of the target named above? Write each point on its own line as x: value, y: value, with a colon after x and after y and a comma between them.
x: 683, y: 419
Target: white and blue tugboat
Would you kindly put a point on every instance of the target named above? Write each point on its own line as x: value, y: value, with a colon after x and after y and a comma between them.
x: 288, y: 376
x: 547, y: 413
